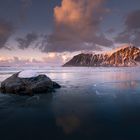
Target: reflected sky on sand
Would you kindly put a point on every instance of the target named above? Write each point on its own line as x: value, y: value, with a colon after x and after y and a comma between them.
x: 93, y: 103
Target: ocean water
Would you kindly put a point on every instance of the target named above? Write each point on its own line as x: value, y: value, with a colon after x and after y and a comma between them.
x: 93, y: 103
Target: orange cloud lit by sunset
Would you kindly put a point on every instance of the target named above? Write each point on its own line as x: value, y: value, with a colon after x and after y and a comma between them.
x: 71, y: 12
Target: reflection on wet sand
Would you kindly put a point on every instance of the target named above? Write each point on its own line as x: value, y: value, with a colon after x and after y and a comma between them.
x: 93, y: 103
x: 128, y: 85
x: 72, y: 110
x: 114, y: 76
x: 69, y: 123
x: 117, y: 87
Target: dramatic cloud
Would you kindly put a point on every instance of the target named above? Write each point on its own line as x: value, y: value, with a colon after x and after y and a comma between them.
x: 132, y: 29
x: 27, y: 41
x: 110, y: 30
x: 77, y: 26
x: 132, y: 21
x: 25, y: 5
x: 6, y: 30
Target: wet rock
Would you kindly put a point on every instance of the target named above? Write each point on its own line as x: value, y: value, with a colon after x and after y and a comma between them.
x: 28, y: 86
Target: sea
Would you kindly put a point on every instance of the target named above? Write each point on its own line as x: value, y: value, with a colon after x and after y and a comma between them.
x: 94, y: 103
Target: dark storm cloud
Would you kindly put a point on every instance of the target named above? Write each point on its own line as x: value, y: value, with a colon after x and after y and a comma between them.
x: 6, y: 30
x: 27, y: 41
x: 77, y: 26
x: 133, y: 21
x: 110, y: 30
x: 131, y: 32
x: 25, y: 5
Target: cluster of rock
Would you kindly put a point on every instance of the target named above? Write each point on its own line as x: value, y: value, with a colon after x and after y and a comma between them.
x: 125, y: 56
x: 28, y: 85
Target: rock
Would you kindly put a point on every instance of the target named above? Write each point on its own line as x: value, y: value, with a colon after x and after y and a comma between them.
x: 28, y: 86
x: 55, y: 85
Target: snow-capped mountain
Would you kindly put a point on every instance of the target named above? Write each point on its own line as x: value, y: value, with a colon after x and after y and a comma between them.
x: 127, y: 55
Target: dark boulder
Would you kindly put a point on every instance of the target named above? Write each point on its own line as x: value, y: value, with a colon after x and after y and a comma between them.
x: 55, y: 85
x: 28, y: 86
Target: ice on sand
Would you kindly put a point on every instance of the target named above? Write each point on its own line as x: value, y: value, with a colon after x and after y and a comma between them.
x: 28, y: 74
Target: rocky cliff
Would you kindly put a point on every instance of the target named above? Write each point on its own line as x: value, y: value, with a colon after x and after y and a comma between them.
x: 127, y: 55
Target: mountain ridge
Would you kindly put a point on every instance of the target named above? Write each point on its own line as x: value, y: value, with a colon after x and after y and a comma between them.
x: 125, y: 56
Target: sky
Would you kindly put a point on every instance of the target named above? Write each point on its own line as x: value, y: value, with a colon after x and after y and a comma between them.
x: 50, y: 32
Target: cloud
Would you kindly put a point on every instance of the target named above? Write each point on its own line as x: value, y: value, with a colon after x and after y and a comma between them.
x: 110, y: 30
x: 77, y: 23
x: 51, y: 59
x: 27, y: 41
x: 6, y: 30
x: 132, y: 21
x: 25, y: 5
x: 13, y: 61
x: 131, y: 32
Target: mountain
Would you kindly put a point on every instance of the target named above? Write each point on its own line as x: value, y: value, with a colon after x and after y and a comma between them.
x: 124, y: 56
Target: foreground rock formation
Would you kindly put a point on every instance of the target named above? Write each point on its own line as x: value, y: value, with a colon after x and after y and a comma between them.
x: 28, y: 86
x: 127, y: 55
